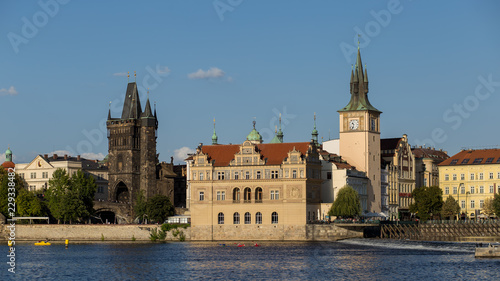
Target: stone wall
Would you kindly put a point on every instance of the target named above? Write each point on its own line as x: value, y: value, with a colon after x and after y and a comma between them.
x: 35, y: 232
x: 309, y: 232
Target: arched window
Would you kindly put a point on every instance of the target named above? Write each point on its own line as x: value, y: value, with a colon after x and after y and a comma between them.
x: 274, y: 218
x: 236, y: 195
x: 248, y: 218
x: 258, y: 195
x: 248, y: 195
x: 258, y: 218
x: 221, y: 218
x: 236, y: 218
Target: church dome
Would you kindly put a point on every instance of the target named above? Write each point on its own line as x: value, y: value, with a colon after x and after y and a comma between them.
x: 254, y: 135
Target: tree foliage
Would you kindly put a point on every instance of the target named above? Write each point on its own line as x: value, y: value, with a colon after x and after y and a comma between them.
x: 71, y: 198
x: 5, y: 192
x: 427, y: 201
x: 158, y: 208
x: 488, y: 208
x: 450, y: 208
x: 346, y: 204
x: 140, y: 206
x: 29, y: 205
x: 496, y: 204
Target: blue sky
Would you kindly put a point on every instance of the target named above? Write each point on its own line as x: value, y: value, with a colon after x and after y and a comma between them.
x: 433, y: 68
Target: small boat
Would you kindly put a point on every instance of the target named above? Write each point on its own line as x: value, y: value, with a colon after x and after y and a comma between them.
x: 257, y: 245
x: 42, y: 243
x: 492, y: 251
x: 241, y: 245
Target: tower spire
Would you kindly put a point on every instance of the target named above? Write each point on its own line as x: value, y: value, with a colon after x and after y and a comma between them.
x: 314, y: 133
x: 214, y: 136
x: 109, y: 111
x: 280, y: 132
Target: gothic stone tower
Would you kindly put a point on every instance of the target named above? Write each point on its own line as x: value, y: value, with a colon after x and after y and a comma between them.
x: 360, y: 134
x: 132, y: 149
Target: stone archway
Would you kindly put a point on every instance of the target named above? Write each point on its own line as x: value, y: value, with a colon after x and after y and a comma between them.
x: 122, y: 192
x: 106, y: 216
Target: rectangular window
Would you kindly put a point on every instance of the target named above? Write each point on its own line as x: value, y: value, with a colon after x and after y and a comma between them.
x: 472, y: 204
x: 328, y: 175
x: 462, y: 189
x: 454, y: 177
x: 472, y: 189
x: 454, y: 190
x: 274, y: 174
x: 498, y: 174
x: 462, y: 177
x: 258, y: 175
x: 471, y: 177
x: 33, y: 175
x: 236, y: 175
x: 491, y: 176
x: 100, y: 189
x: 425, y: 182
x: 446, y: 177
x: 463, y: 204
x: 447, y: 190
x: 220, y: 175
x: 275, y: 195
x: 453, y: 162
x: 247, y: 175
x: 202, y: 195
x: 294, y: 174
x: 481, y: 189
x: 201, y: 176
x: 21, y: 175
x: 481, y: 176
x: 194, y: 175
x: 481, y: 204
x: 477, y: 160
x: 221, y: 195
x: 45, y: 175
x: 492, y: 189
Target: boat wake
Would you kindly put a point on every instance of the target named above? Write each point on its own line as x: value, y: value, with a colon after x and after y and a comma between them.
x: 412, y: 245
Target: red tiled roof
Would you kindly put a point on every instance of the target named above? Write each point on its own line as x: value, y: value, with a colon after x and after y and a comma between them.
x: 429, y: 153
x: 483, y: 156
x: 275, y: 153
x: 8, y: 164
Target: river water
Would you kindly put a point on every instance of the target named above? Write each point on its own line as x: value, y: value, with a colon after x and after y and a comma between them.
x: 354, y: 259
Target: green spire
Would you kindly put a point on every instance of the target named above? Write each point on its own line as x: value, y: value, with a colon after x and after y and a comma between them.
x: 359, y: 88
x: 314, y: 131
x: 214, y: 136
x: 254, y: 135
x: 8, y: 155
x: 280, y: 132
x: 275, y: 139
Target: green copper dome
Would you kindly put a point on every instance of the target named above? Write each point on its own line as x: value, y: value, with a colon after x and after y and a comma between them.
x: 8, y: 155
x: 254, y: 135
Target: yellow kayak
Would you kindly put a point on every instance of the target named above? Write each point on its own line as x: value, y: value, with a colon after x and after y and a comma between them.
x: 43, y: 243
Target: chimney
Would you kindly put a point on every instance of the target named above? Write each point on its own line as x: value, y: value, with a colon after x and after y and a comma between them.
x: 54, y: 156
x: 46, y: 156
x: 78, y: 158
x: 65, y: 156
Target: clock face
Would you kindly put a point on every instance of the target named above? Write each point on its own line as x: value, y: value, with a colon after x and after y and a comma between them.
x: 353, y: 124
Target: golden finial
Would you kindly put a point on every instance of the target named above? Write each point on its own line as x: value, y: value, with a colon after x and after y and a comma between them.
x: 128, y: 76
x: 135, y: 77
x: 359, y: 35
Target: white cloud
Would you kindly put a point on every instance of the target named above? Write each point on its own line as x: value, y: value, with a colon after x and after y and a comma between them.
x: 93, y: 156
x: 60, y: 153
x: 162, y: 69
x: 2, y: 158
x: 182, y: 153
x: 10, y: 91
x: 213, y: 72
x: 120, y: 74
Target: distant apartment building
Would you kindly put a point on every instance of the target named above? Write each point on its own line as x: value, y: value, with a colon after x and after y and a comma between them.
x: 398, y: 160
x: 38, y: 172
x: 471, y: 177
x: 427, y: 160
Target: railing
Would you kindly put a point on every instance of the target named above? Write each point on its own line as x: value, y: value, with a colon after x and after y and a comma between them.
x: 236, y: 201
x: 258, y: 200
x: 247, y: 201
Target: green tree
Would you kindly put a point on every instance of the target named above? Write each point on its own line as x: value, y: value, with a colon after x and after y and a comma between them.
x: 346, y: 204
x: 5, y: 193
x: 496, y: 204
x: 159, y: 208
x: 450, y: 207
x: 28, y: 204
x: 427, y: 201
x: 140, y: 206
x: 71, y: 199
x: 488, y: 208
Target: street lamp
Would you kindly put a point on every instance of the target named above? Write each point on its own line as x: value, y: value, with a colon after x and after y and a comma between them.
x: 459, y: 205
x: 466, y: 214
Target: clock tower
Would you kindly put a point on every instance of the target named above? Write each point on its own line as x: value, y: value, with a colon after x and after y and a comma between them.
x: 360, y: 134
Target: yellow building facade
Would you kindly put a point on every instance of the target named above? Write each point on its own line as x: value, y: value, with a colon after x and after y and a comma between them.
x: 254, y: 191
x: 471, y: 177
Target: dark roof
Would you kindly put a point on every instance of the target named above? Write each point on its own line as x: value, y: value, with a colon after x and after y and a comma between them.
x: 273, y: 153
x: 474, y: 157
x: 429, y: 153
x: 388, y: 144
x: 335, y: 159
x: 132, y: 104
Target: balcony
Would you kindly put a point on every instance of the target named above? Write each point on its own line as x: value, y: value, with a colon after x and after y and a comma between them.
x: 258, y: 201
x: 236, y: 201
x: 247, y: 201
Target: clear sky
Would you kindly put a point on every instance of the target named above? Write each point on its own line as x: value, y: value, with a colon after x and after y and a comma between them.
x: 433, y: 68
